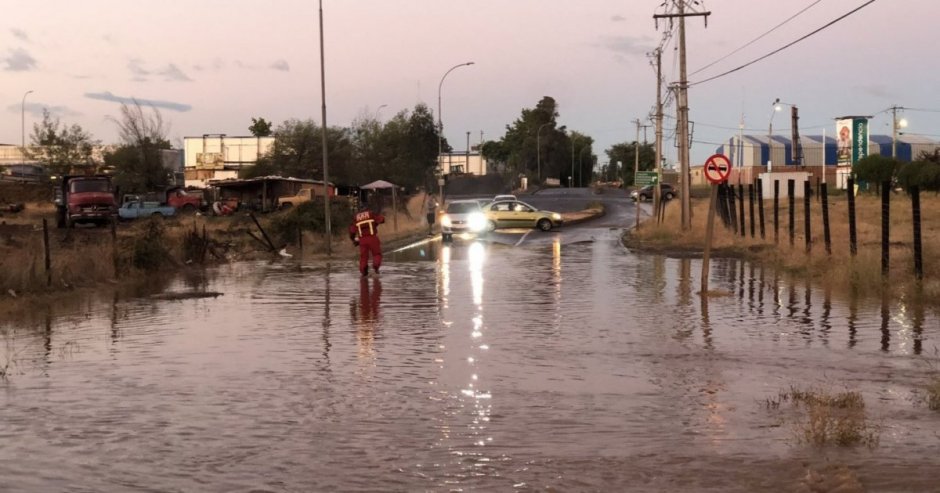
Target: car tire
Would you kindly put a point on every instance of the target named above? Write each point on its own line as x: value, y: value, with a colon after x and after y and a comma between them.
x: 544, y: 224
x: 668, y: 196
x: 490, y: 226
x: 447, y: 237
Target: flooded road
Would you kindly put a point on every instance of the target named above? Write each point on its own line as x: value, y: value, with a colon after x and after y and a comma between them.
x: 556, y: 365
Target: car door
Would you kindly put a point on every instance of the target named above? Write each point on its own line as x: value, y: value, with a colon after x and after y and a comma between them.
x: 500, y: 214
x: 523, y: 215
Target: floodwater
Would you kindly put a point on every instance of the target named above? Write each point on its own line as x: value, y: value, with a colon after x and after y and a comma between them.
x: 550, y: 367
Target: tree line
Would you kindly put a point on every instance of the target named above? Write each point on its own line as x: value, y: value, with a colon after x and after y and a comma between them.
x: 402, y: 150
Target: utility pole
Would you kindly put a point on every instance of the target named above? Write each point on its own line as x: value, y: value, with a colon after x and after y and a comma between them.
x: 326, y: 173
x: 895, y: 125
x: 682, y: 101
x: 657, y: 197
x: 795, y: 135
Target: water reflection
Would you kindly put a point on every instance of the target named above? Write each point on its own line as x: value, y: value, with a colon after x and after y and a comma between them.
x: 366, y: 318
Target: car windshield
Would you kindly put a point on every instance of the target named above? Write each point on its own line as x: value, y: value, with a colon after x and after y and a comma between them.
x: 462, y: 207
x: 82, y: 186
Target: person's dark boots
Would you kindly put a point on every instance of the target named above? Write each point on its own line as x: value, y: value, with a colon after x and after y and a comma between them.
x: 365, y: 272
x: 376, y: 270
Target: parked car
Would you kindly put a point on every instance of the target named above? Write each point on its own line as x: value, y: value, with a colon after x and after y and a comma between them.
x: 666, y: 191
x: 516, y: 214
x: 136, y: 209
x: 504, y: 197
x: 462, y: 216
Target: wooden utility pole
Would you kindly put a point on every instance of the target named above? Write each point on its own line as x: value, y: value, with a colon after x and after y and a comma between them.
x: 657, y: 197
x: 682, y: 100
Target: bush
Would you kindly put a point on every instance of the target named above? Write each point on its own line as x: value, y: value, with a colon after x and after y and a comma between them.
x: 309, y: 216
x: 150, y: 251
x: 923, y: 174
x: 876, y: 169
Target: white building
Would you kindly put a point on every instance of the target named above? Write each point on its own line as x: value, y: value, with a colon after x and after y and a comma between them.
x: 462, y: 163
x: 219, y: 156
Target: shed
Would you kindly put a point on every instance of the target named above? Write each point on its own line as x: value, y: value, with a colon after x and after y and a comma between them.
x: 261, y: 193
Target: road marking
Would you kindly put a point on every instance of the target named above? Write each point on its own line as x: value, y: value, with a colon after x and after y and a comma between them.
x: 523, y: 238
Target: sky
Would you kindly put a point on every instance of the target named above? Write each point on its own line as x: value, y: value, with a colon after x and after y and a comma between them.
x: 212, y: 65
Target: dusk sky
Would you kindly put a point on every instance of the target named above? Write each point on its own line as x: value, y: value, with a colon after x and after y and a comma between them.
x: 212, y: 65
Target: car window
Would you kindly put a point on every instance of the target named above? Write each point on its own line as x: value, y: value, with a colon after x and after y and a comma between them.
x: 462, y: 207
x: 520, y: 207
x: 501, y: 206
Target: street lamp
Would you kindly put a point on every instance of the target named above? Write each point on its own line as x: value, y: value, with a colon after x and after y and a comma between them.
x: 440, y: 126
x: 895, y: 126
x: 378, y: 110
x: 538, y: 148
x: 770, y: 134
x: 23, y: 123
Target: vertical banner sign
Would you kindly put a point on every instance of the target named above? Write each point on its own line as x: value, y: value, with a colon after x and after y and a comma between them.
x: 860, y: 142
x: 852, y: 140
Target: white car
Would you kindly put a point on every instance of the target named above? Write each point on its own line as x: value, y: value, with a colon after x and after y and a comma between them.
x: 462, y: 216
x: 500, y: 198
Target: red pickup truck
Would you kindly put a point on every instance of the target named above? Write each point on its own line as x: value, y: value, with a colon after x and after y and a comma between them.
x: 183, y: 201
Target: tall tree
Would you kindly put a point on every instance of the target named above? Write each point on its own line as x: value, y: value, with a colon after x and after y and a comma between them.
x: 261, y: 127
x: 297, y: 152
x: 138, y: 160
x: 582, y: 159
x: 61, y: 149
x: 624, y: 155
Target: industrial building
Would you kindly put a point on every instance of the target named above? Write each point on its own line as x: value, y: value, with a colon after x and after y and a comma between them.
x: 219, y: 156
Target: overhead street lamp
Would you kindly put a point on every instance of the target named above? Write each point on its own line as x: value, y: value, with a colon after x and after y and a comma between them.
x: 895, y: 126
x: 378, y: 110
x: 770, y: 134
x: 538, y: 148
x: 440, y: 127
x: 23, y: 124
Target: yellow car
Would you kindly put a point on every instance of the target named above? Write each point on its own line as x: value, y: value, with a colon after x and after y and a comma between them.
x: 516, y: 214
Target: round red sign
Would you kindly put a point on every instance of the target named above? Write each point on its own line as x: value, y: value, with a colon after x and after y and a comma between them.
x: 717, y: 168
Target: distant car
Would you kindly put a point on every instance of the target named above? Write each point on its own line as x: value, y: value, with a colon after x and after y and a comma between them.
x: 667, y: 192
x: 462, y: 216
x: 516, y: 214
x: 504, y: 197
x: 137, y: 209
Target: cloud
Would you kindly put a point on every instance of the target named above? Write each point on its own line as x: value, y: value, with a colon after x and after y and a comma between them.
x: 108, y: 96
x: 281, y: 65
x: 172, y: 72
x: 876, y: 90
x: 135, y: 65
x: 629, y: 45
x: 35, y: 109
x: 20, y: 34
x: 19, y: 61
x: 617, y: 18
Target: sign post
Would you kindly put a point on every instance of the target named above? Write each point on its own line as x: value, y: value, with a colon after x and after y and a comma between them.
x: 717, y: 169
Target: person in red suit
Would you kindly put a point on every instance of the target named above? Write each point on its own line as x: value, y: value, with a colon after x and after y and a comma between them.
x: 364, y: 232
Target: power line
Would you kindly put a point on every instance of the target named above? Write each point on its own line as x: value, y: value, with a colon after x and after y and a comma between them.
x: 749, y: 43
x: 778, y: 50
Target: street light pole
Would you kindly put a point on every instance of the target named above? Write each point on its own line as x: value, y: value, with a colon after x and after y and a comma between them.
x: 326, y: 174
x: 770, y: 134
x: 895, y: 126
x: 23, y: 124
x: 538, y: 148
x: 440, y: 129
x: 378, y: 110
x: 581, y: 164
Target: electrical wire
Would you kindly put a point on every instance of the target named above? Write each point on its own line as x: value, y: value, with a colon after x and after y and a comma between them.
x: 778, y: 50
x: 749, y: 43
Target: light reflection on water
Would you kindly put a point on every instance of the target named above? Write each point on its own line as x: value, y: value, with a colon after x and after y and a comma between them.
x: 472, y: 366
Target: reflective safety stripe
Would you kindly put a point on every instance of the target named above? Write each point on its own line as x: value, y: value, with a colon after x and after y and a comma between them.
x: 368, y: 222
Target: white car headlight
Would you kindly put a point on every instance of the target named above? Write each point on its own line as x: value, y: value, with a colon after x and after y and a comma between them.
x: 445, y: 221
x: 476, y: 221
x: 556, y: 216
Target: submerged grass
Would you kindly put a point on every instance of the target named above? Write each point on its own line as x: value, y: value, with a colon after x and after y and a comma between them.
x: 840, y: 271
x: 827, y: 418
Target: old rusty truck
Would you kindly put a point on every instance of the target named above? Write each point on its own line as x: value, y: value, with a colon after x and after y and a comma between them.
x: 84, y: 199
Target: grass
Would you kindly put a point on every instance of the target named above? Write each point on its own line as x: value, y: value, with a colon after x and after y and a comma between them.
x: 860, y: 274
x: 825, y: 418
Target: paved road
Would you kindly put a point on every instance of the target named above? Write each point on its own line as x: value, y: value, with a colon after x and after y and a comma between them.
x: 620, y: 214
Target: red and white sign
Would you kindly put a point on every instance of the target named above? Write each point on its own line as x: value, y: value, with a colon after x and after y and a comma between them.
x: 717, y: 169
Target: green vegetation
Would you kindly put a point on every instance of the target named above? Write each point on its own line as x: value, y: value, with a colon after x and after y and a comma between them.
x: 875, y: 169
x: 309, y: 217
x: 138, y: 162
x: 828, y: 418
x: 61, y: 149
